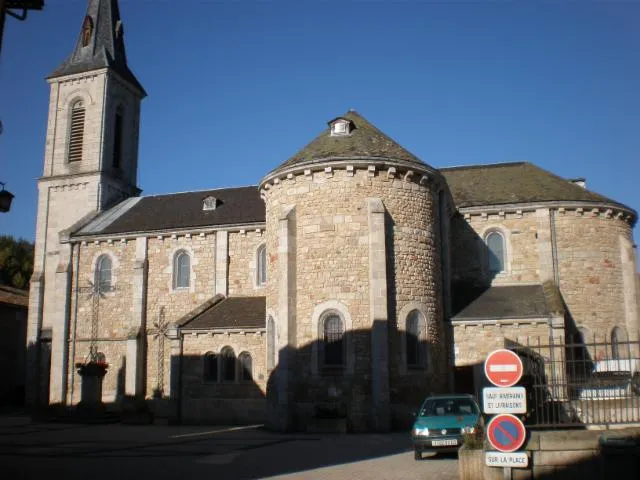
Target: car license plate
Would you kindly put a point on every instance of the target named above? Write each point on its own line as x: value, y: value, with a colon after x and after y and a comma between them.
x: 444, y: 443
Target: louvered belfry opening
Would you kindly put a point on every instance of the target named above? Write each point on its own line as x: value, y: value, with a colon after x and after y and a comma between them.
x: 76, y: 132
x: 117, y: 140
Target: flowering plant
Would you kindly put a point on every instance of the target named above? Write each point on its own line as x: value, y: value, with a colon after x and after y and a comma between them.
x: 92, y: 368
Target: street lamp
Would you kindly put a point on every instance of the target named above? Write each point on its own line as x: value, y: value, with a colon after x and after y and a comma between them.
x: 5, y: 199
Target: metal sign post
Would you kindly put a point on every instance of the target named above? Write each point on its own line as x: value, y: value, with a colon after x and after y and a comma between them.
x: 505, y: 432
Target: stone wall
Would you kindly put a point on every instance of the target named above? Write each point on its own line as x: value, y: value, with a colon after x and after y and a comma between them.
x: 331, y: 239
x: 113, y: 312
x: 583, y: 454
x: 164, y: 304
x: 223, y: 403
x: 473, y: 342
x: 591, y: 272
x: 243, y: 248
x: 469, y: 254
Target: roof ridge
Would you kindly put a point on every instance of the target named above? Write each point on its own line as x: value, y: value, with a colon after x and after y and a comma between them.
x: 487, y: 165
x: 198, y: 191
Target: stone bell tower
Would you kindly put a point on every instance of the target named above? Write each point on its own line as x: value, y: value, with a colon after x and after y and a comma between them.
x: 90, y: 163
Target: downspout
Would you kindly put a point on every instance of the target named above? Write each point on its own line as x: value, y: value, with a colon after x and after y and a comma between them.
x: 180, y: 337
x: 75, y: 323
x: 554, y: 247
x: 556, y: 279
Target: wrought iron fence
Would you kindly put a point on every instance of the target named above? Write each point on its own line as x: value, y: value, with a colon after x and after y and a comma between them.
x: 581, y: 382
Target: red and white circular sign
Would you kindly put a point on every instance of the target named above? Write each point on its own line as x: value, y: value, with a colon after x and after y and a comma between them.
x: 506, y: 433
x: 503, y: 368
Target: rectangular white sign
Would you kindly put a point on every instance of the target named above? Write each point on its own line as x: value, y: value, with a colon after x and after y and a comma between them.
x: 504, y: 400
x: 507, y: 367
x: 513, y: 460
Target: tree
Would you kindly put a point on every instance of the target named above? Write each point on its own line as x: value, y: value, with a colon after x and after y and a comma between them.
x: 16, y: 261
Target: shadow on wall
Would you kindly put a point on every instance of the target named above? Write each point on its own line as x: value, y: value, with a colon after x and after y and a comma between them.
x: 337, y: 386
x: 321, y: 387
x: 473, y: 264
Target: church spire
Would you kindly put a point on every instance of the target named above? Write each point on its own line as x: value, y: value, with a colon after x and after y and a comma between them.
x: 100, y: 44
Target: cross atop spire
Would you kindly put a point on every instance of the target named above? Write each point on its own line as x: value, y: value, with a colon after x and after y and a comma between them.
x: 100, y: 44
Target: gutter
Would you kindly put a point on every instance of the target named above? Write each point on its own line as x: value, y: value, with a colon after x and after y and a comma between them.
x: 166, y: 232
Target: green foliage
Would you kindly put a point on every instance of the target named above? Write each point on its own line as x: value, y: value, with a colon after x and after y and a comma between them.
x: 16, y: 262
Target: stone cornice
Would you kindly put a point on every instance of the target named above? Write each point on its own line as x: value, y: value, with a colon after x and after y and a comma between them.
x: 221, y: 331
x: 489, y: 322
x: 382, y: 165
x: 77, y: 76
x: 585, y: 209
x: 90, y: 174
x: 242, y: 228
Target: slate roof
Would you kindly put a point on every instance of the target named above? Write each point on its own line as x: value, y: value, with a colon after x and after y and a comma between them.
x: 106, y: 47
x: 510, y: 301
x: 231, y: 312
x: 235, y: 206
x: 365, y: 140
x: 509, y: 183
x: 14, y: 296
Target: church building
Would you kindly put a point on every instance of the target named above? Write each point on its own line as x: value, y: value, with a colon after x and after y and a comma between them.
x: 351, y: 282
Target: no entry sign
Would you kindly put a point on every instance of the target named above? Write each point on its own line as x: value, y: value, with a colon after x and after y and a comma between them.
x: 506, y: 433
x: 503, y: 368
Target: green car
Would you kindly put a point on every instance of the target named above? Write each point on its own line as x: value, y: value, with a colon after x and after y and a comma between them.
x: 441, y: 422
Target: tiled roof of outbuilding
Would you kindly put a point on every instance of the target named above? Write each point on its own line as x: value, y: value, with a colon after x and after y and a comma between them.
x: 235, y: 206
x: 365, y: 140
x: 14, y: 296
x: 231, y: 312
x: 512, y: 183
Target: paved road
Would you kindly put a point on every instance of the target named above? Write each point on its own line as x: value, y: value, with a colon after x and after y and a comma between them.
x: 118, y: 452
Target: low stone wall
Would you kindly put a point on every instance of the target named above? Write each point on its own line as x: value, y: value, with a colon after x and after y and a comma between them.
x: 565, y: 454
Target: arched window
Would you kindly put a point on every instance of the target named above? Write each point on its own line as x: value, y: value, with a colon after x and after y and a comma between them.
x: 102, y: 279
x: 616, y: 338
x: 261, y: 264
x: 244, y: 362
x: 117, y: 138
x: 271, y: 343
x: 210, y: 370
x: 415, y: 339
x: 496, y: 252
x: 181, y: 270
x: 227, y: 365
x: 76, y: 132
x: 332, y: 341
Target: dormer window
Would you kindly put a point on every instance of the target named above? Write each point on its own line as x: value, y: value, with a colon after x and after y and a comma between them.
x: 87, y: 30
x: 340, y: 126
x: 209, y: 203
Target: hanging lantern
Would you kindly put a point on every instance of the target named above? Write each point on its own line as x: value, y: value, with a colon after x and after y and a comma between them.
x: 5, y: 199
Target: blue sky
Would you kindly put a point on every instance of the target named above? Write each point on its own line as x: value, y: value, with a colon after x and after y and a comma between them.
x: 235, y: 88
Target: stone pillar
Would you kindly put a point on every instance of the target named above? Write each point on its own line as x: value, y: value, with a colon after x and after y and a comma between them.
x: 222, y: 262
x: 379, y: 316
x: 34, y: 323
x: 557, y: 356
x: 175, y: 374
x: 60, y: 327
x: 286, y: 319
x: 134, y: 373
x: 545, y: 244
x: 628, y: 263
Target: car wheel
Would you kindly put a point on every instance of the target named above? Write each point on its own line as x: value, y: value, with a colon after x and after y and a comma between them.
x: 417, y: 454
